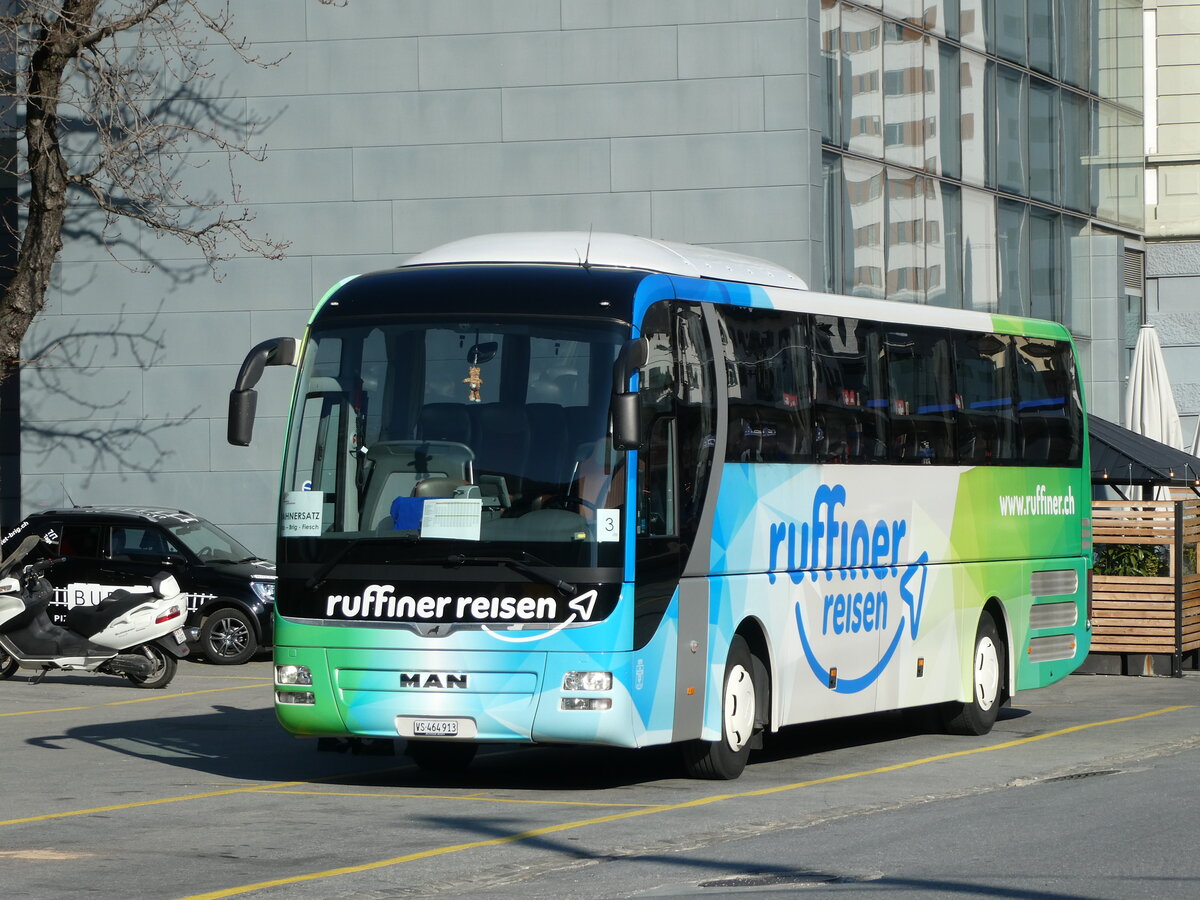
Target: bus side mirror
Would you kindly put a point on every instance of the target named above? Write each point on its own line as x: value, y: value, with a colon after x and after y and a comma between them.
x: 626, y: 416
x: 243, y: 399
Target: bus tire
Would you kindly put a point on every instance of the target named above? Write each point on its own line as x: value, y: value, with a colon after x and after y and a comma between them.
x: 725, y: 759
x: 977, y: 716
x: 441, y: 757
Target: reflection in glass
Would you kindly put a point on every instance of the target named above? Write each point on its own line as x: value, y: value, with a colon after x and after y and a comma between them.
x: 979, y: 250
x: 1119, y: 166
x: 864, y: 212
x: 1045, y: 255
x: 943, y: 247
x: 906, y: 233
x: 945, y: 142
x: 1043, y: 140
x: 1009, y: 30
x: 1041, y: 37
x: 972, y: 123
x: 836, y: 258
x: 971, y: 24
x: 1013, y: 237
x: 862, y: 68
x: 1076, y: 152
x: 1077, y: 290
x: 905, y: 83
x: 1120, y: 52
x: 1011, y: 144
x: 906, y: 237
x: 831, y: 114
x: 1075, y: 28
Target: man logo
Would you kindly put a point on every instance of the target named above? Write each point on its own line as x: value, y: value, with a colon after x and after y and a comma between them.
x: 434, y: 680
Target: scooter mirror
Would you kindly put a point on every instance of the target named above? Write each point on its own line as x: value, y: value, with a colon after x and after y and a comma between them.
x: 23, y: 550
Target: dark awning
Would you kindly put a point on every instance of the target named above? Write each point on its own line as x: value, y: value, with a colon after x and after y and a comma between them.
x: 1121, y: 456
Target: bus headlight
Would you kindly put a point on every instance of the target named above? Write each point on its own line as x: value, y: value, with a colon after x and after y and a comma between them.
x: 300, y: 698
x: 293, y: 675
x: 586, y: 703
x: 587, y: 681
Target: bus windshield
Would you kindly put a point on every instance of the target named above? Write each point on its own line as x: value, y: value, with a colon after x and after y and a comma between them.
x: 462, y: 432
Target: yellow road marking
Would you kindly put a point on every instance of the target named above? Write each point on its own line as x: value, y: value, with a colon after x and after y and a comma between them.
x: 60, y: 709
x: 688, y: 804
x: 137, y: 804
x: 474, y: 798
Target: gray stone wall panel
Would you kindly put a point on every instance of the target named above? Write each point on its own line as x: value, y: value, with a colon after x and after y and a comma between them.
x: 246, y: 282
x: 719, y: 216
x: 548, y: 58
x: 421, y: 224
x: 627, y: 13
x: 628, y: 110
x: 298, y: 68
x: 379, y: 119
x: 743, y: 48
x: 675, y: 162
x: 410, y: 18
x: 1172, y: 258
x: 482, y: 170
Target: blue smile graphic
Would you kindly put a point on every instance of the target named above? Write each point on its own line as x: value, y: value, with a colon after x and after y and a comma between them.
x: 915, y: 604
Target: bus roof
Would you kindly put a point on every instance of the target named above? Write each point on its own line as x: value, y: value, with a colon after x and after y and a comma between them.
x: 608, y: 249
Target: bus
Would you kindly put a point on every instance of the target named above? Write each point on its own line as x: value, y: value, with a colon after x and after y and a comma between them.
x: 603, y: 489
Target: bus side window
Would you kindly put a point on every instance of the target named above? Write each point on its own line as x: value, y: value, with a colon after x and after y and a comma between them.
x: 986, y: 388
x: 770, y: 403
x: 921, y: 395
x: 1048, y: 408
x: 850, y: 416
x: 656, y: 478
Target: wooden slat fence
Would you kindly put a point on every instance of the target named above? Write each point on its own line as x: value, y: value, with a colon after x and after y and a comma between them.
x: 1148, y: 614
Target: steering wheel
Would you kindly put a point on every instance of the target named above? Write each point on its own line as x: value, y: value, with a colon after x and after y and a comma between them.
x: 562, y: 501
x: 206, y: 554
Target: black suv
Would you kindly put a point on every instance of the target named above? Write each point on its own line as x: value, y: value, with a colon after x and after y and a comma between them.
x: 230, y: 591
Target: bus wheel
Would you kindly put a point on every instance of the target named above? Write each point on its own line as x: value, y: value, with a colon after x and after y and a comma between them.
x: 979, y: 715
x: 725, y: 759
x: 441, y: 757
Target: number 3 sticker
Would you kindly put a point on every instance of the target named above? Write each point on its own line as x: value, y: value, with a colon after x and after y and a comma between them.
x: 608, y: 525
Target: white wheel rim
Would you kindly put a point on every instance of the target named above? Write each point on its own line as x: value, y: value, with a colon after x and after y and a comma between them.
x: 987, y: 673
x: 739, y: 708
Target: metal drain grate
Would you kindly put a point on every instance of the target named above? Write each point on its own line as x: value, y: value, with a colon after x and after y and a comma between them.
x: 775, y: 879
x: 1079, y: 775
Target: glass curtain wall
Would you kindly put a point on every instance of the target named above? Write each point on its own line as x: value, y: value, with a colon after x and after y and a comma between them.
x: 969, y: 144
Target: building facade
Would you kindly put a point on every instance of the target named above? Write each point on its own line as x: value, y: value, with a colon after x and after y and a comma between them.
x: 1172, y: 80
x: 978, y: 153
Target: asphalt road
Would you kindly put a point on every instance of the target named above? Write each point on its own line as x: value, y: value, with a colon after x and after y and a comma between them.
x: 1089, y: 788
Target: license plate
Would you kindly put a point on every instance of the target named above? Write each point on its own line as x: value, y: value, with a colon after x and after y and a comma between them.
x: 435, y: 727
x: 180, y: 636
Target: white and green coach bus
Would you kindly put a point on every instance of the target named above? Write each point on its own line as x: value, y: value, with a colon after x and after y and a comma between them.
x: 600, y: 489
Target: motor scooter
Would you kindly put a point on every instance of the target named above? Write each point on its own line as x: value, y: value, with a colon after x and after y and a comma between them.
x: 137, y: 636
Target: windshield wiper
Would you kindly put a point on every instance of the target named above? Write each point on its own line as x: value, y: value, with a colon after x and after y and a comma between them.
x: 517, y: 565
x: 318, y: 577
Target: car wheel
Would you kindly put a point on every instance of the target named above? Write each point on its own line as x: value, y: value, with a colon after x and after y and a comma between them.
x: 227, y: 637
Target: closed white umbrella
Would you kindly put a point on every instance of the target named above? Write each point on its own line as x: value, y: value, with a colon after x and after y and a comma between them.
x: 1149, y: 404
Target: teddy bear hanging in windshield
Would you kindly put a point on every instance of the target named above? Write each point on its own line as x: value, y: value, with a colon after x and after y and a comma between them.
x: 474, y: 383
